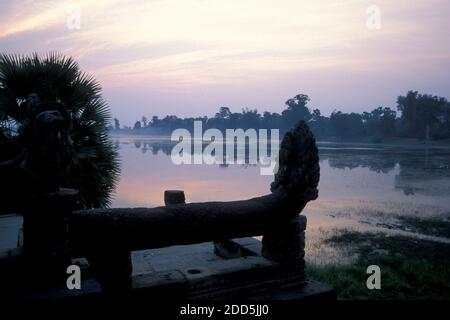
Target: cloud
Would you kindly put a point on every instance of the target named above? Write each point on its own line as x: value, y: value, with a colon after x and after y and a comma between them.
x: 181, y: 44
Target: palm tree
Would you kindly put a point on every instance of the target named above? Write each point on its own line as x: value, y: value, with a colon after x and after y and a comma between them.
x: 53, y: 77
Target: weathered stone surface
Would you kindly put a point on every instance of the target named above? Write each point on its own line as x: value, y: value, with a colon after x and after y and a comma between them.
x: 174, y: 197
x: 233, y: 248
x: 285, y: 242
x: 309, y: 290
x: 45, y: 238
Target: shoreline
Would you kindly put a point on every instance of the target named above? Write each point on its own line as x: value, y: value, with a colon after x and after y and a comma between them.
x: 386, y: 142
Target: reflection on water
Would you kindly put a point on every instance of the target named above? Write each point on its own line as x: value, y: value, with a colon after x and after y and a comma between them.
x: 147, y: 170
x: 371, y: 180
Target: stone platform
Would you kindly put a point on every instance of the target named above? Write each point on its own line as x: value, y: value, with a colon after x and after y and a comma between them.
x: 231, y: 269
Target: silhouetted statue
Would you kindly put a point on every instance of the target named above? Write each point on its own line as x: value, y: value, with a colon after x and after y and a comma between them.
x: 37, y: 159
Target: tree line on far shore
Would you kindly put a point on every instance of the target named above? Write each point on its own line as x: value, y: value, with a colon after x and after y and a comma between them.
x: 420, y: 116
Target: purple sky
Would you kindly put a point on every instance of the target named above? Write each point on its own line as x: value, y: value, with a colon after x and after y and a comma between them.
x: 189, y: 57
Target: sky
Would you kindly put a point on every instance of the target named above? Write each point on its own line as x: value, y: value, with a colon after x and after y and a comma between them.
x: 189, y: 57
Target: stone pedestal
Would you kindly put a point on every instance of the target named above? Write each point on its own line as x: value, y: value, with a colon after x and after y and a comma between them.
x: 45, y: 243
x: 112, y: 266
x: 285, y: 243
x: 172, y: 197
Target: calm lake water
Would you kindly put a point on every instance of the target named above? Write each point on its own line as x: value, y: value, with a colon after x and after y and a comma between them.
x: 361, y: 186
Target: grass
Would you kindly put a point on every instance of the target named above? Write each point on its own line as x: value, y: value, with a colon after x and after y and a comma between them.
x: 436, y: 226
x: 410, y: 268
x: 432, y: 226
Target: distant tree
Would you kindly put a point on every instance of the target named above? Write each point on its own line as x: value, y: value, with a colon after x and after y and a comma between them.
x: 271, y: 120
x: 137, y: 125
x: 296, y: 110
x: 319, y: 124
x: 234, y: 119
x: 250, y: 119
x: 155, y: 122
x: 221, y: 120
x: 144, y: 121
x: 116, y: 124
x: 423, y: 115
x: 171, y: 123
x: 380, y: 122
x: 224, y: 113
x: 420, y: 114
x: 346, y: 125
x: 316, y: 115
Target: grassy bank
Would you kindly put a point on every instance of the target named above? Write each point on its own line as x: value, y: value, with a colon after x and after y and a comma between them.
x: 410, y: 268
